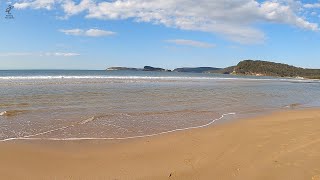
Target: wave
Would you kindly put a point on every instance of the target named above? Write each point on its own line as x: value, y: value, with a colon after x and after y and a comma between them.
x: 12, y: 113
x: 3, y: 113
x: 153, y: 78
x: 33, y: 136
x: 110, y: 77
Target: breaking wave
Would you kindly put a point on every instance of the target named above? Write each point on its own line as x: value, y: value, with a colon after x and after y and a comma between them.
x: 153, y: 78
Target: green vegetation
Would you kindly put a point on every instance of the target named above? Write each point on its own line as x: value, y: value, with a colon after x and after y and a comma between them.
x: 249, y: 67
x: 265, y: 68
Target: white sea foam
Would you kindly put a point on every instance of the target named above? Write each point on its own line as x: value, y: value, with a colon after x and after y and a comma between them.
x: 88, y: 120
x: 152, y: 78
x: 31, y: 137
x: 112, y: 77
x: 3, y: 113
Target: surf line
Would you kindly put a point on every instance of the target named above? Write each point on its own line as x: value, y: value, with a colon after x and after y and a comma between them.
x: 31, y: 137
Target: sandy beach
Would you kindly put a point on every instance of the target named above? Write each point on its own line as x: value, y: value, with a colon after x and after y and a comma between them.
x: 281, y: 145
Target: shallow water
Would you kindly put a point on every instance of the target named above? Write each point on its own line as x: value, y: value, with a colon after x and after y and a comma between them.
x: 101, y: 104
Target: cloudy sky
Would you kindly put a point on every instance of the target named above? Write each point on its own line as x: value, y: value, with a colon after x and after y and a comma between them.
x: 95, y: 34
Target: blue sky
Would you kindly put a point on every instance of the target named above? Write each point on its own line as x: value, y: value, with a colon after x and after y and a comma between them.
x: 87, y: 34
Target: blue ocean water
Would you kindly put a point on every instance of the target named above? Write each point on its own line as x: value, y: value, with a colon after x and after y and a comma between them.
x: 111, y: 104
x: 100, y: 74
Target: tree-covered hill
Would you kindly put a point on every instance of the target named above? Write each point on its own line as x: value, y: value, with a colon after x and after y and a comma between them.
x: 266, y: 68
x: 250, y: 67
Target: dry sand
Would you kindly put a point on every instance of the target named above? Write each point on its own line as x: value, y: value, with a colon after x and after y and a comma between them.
x: 283, y: 145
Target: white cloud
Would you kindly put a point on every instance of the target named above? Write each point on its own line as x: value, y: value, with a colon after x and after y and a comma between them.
x: 98, y: 32
x: 70, y: 7
x: 193, y: 43
x: 276, y: 12
x: 36, y: 4
x: 74, y: 32
x: 89, y: 32
x: 315, y: 5
x: 63, y: 54
x: 313, y: 13
x: 233, y: 19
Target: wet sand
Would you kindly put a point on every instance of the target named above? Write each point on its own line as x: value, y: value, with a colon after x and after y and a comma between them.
x: 282, y: 145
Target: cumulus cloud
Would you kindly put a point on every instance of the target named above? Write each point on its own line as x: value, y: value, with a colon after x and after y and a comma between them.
x: 275, y: 12
x: 63, y: 54
x: 89, y: 32
x: 70, y: 7
x: 233, y: 19
x: 192, y: 43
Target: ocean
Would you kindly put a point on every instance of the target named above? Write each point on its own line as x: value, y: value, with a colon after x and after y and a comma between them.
x: 74, y: 104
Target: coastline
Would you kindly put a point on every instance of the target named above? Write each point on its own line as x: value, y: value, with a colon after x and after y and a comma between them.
x: 280, y: 145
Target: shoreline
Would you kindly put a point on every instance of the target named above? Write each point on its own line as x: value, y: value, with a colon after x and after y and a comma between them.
x: 224, y: 118
x: 34, y: 138
x: 279, y: 145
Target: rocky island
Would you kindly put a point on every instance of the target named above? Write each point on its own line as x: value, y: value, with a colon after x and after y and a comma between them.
x: 246, y: 67
x: 146, y: 68
x: 121, y: 69
x: 196, y: 69
x: 150, y: 68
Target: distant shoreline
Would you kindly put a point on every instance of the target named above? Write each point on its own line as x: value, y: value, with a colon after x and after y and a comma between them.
x: 244, y: 68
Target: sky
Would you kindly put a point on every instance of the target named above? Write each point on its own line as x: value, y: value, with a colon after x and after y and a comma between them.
x: 96, y: 34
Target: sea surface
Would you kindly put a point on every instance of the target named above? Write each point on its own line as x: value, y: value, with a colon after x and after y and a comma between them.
x: 70, y: 105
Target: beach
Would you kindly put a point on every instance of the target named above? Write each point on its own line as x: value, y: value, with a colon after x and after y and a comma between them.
x: 280, y: 145
x: 160, y: 90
